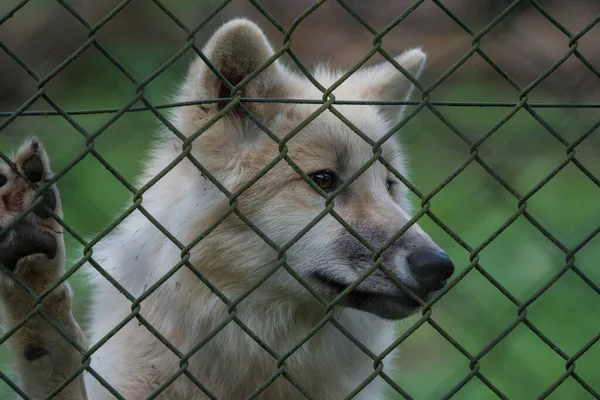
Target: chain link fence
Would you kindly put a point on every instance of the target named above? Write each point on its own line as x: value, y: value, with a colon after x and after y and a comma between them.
x: 141, y: 103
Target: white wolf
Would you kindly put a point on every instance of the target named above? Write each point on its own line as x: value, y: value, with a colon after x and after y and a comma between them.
x: 280, y: 340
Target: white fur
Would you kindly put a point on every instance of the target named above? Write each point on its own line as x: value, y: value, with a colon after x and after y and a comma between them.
x: 281, y: 312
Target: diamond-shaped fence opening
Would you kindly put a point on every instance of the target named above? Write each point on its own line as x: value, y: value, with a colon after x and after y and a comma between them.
x: 482, y: 350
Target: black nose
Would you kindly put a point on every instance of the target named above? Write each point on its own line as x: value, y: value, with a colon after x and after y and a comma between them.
x: 430, y: 268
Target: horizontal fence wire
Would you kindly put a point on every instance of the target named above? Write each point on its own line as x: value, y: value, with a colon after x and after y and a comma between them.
x: 139, y: 103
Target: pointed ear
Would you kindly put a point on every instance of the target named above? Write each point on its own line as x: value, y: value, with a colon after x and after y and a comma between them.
x: 384, y: 82
x: 236, y: 50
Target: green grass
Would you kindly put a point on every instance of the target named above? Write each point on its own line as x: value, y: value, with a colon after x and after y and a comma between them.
x: 473, y: 205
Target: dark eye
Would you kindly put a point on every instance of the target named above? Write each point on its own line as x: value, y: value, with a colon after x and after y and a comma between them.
x: 389, y: 183
x: 326, y: 180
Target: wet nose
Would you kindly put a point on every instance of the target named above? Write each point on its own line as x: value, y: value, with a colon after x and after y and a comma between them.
x: 430, y: 268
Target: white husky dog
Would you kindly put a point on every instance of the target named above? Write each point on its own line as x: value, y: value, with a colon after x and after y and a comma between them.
x: 245, y: 311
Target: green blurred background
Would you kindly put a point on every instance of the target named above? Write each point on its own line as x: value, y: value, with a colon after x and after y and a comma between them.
x: 473, y: 205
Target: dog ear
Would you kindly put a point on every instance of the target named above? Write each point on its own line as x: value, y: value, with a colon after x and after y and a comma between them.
x: 236, y: 50
x: 384, y: 82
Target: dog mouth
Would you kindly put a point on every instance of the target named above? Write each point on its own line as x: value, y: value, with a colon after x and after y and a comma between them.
x: 385, y: 305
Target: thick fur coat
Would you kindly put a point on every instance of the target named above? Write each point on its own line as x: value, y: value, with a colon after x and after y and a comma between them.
x: 236, y: 236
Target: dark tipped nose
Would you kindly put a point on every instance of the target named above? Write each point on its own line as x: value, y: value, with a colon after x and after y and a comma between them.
x: 430, y: 268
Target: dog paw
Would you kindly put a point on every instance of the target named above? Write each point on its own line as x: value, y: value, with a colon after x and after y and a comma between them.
x: 36, y: 238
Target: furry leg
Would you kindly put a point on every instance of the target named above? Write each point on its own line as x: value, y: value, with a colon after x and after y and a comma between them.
x: 33, y: 249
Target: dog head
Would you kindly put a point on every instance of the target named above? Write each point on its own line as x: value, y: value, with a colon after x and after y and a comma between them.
x: 351, y: 224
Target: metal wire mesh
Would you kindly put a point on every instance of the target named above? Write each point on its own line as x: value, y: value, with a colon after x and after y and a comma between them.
x: 328, y: 102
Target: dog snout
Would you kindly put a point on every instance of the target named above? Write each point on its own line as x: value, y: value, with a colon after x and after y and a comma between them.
x: 431, y: 269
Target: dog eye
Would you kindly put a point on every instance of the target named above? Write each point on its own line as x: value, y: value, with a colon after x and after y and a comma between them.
x: 389, y: 183
x: 326, y: 180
